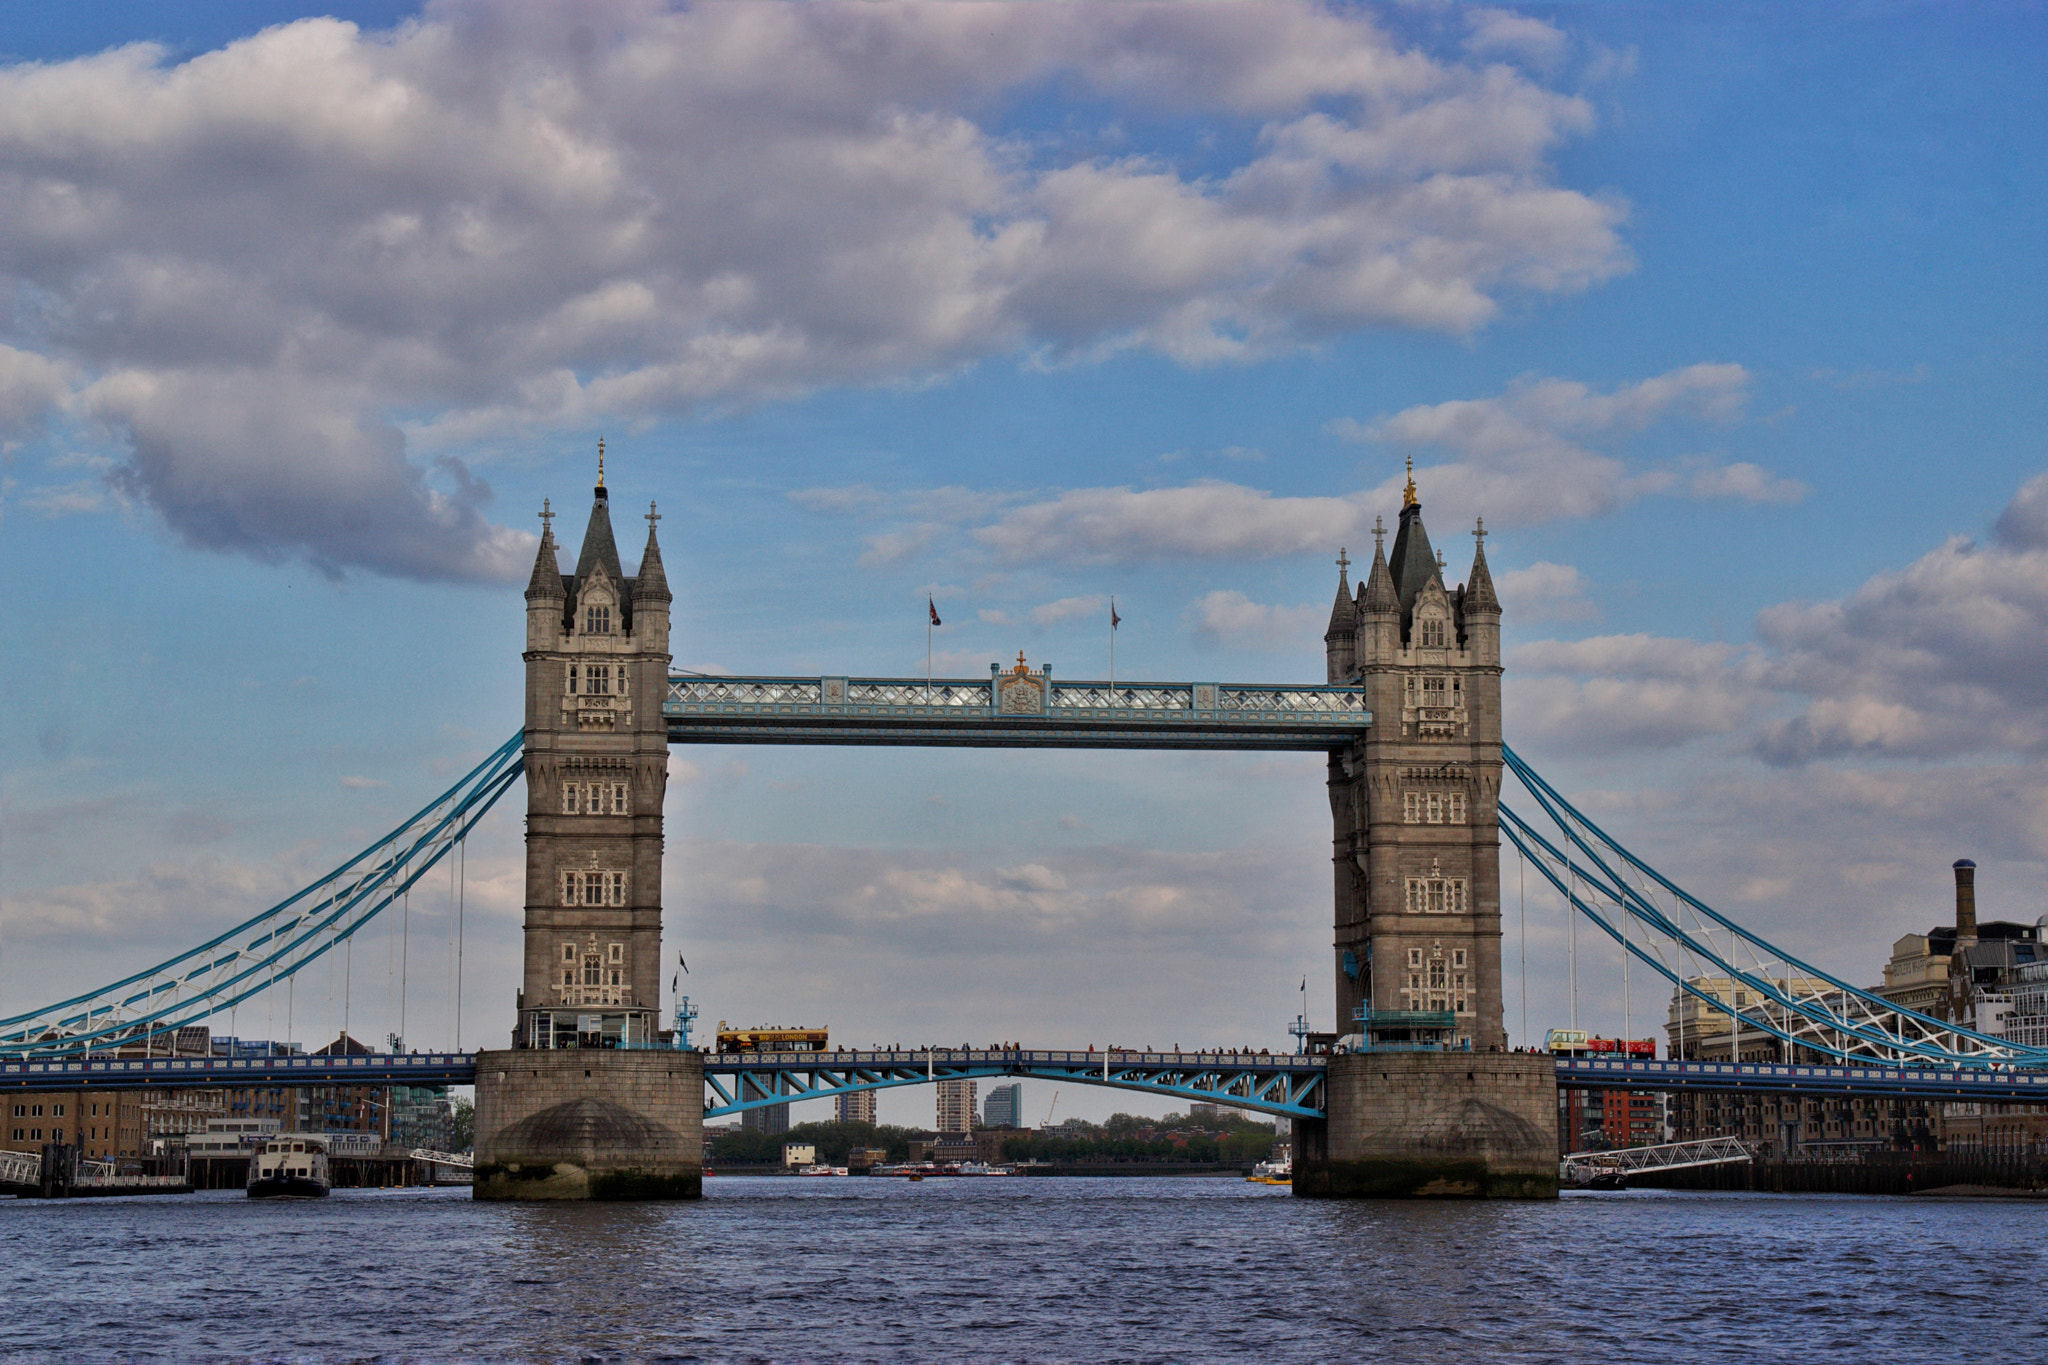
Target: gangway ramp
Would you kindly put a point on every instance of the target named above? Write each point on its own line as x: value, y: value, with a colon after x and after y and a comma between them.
x: 1587, y: 1168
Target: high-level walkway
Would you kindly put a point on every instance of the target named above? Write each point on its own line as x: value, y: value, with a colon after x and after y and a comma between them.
x: 1012, y: 710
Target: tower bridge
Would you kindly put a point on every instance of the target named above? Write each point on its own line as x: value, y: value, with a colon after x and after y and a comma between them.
x: 591, y: 1099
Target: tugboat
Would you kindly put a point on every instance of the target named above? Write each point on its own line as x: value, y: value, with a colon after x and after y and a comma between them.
x: 290, y: 1166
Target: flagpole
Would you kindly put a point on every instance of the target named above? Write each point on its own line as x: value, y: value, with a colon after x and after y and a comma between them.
x: 1112, y: 649
x: 928, y: 653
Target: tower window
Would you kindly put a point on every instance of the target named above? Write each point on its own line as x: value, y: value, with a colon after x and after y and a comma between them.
x: 1432, y: 633
x: 592, y: 887
x: 597, y: 620
x: 1436, y: 896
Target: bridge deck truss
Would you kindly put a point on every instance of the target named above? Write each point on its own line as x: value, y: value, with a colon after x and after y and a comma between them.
x: 988, y: 713
x: 1289, y: 1085
x: 1683, y: 940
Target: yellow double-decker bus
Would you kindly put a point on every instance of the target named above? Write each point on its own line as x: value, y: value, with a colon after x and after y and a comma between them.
x: 770, y: 1038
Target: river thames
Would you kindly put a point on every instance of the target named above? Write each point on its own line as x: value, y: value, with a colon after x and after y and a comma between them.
x: 767, y: 1269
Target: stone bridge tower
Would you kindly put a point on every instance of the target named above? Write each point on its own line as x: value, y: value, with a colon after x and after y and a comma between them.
x: 1417, y: 839
x: 596, y: 771
x: 1417, y: 860
x: 592, y: 1101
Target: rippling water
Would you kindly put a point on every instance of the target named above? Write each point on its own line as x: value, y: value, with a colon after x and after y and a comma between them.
x: 1023, y: 1270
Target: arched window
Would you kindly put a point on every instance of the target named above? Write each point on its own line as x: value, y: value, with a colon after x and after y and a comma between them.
x: 597, y: 620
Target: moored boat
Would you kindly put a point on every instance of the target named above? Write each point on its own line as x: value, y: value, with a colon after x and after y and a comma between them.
x: 290, y: 1166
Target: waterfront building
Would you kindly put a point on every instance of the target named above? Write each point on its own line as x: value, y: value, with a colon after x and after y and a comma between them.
x: 856, y: 1106
x: 1997, y: 984
x: 1004, y: 1107
x: 421, y: 1116
x: 956, y: 1106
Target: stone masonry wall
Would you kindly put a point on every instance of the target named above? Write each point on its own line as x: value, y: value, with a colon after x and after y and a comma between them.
x: 1471, y: 1125
x: 589, y: 1124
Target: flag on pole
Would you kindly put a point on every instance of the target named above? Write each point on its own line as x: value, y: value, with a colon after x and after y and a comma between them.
x: 1114, y: 619
x: 933, y: 607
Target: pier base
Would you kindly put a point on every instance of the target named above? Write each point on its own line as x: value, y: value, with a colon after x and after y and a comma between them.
x: 589, y: 1124
x: 1432, y: 1125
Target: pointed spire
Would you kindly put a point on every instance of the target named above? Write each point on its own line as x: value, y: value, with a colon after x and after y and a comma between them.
x: 1412, y: 561
x: 598, y: 545
x: 652, y: 580
x: 1379, y: 594
x: 1479, y: 594
x: 547, y: 573
x: 1343, y: 615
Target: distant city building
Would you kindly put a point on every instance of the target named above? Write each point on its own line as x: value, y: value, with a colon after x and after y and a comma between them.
x: 956, y: 1106
x: 857, y: 1106
x: 772, y: 1119
x: 1004, y: 1107
x: 799, y: 1154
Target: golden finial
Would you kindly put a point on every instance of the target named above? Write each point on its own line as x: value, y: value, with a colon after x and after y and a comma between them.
x: 600, y: 465
x: 1021, y: 668
x: 1408, y: 498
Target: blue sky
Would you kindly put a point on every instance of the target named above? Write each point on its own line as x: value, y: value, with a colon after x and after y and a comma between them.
x: 1728, y: 319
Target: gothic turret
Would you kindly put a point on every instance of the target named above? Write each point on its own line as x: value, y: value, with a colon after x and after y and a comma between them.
x: 651, y: 597
x: 1338, y: 639
x: 544, y: 593
x: 1379, y: 607
x: 1479, y: 607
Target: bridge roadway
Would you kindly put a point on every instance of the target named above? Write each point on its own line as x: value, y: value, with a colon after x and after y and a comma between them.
x: 1280, y: 1083
x: 1011, y: 710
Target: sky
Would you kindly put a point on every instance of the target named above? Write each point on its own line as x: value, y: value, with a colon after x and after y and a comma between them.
x: 1727, y: 319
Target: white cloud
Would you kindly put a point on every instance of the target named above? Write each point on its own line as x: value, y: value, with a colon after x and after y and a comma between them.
x: 261, y: 257
x: 1230, y: 618
x: 1499, y: 32
x: 1544, y: 592
x: 1745, y: 483
x: 1200, y: 521
x: 31, y: 387
x: 1525, y: 456
x: 1067, y: 608
x: 1945, y: 658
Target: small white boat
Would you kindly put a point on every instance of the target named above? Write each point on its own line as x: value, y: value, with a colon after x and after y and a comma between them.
x: 1279, y: 1171
x: 822, y: 1170
x: 984, y: 1168
x: 290, y: 1166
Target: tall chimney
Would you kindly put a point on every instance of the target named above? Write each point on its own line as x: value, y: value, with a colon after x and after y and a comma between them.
x: 1966, y: 901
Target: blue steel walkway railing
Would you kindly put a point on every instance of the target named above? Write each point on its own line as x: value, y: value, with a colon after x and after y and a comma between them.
x: 1012, y: 711
x: 1283, y: 1084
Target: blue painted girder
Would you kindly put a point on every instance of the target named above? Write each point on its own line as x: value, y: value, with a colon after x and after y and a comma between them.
x: 2019, y: 1086
x: 1284, y: 1084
